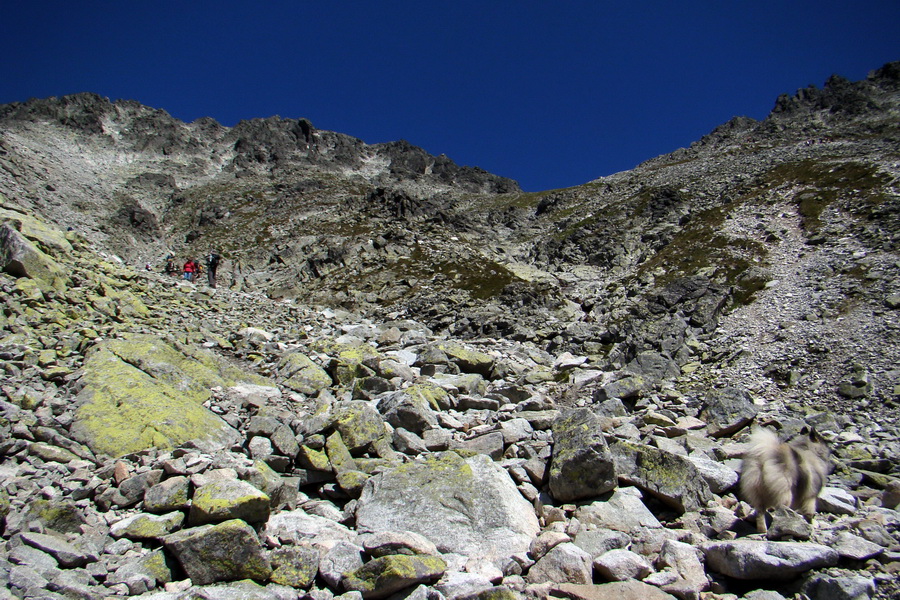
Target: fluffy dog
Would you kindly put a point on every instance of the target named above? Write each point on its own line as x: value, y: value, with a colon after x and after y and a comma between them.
x: 776, y: 473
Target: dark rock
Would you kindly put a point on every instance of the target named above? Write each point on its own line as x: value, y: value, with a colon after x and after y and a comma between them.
x: 728, y: 410
x: 582, y: 466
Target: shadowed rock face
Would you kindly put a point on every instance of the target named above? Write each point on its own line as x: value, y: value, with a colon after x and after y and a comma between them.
x: 405, y: 375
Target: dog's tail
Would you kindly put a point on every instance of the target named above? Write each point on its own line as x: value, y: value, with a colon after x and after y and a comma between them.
x: 763, y: 442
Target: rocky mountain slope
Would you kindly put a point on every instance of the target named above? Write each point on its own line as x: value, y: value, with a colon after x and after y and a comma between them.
x: 416, y: 379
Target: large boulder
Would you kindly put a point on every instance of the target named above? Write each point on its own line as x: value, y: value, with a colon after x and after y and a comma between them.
x: 228, y: 551
x: 728, y: 410
x: 139, y: 393
x: 671, y: 478
x: 302, y: 375
x: 467, y: 506
x: 753, y: 559
x: 21, y: 258
x: 582, y: 466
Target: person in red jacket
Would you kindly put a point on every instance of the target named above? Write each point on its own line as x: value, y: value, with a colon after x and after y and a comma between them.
x: 190, y: 267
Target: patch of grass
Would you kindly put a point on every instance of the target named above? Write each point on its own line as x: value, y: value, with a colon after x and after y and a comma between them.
x: 827, y: 182
x: 481, y: 277
x: 699, y: 246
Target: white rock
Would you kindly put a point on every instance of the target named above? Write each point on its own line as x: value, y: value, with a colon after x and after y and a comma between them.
x: 836, y: 501
x: 752, y: 559
x: 621, y: 565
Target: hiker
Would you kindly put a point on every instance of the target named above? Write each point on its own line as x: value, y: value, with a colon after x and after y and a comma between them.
x: 212, y: 263
x: 190, y: 267
x: 171, y: 268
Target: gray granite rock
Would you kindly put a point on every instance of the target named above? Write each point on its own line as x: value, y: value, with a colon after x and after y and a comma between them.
x: 581, y: 466
x: 750, y: 559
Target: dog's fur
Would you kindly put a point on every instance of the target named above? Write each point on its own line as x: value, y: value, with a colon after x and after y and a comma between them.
x: 776, y: 473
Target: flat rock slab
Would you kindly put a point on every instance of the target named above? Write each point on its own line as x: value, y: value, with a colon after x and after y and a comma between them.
x: 66, y: 554
x: 125, y: 407
x: 300, y: 525
x: 752, y: 559
x: 467, y: 506
x: 620, y: 590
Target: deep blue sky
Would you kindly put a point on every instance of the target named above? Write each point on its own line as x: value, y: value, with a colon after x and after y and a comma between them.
x: 551, y: 94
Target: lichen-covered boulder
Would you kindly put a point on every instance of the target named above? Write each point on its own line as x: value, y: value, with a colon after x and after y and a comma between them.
x: 21, y: 258
x: 358, y: 423
x: 228, y: 551
x: 123, y: 409
x: 671, y: 478
x: 386, y: 575
x: 408, y: 411
x: 48, y: 238
x: 302, y: 375
x: 4, y: 506
x: 143, y: 526
x: 468, y: 506
x: 140, y: 392
x: 436, y: 396
x: 228, y: 499
x: 59, y: 514
x: 170, y: 494
x: 346, y: 362
x: 295, y: 566
x: 581, y: 466
x: 468, y: 360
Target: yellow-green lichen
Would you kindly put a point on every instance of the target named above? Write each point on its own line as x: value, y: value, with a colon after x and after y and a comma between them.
x: 122, y: 409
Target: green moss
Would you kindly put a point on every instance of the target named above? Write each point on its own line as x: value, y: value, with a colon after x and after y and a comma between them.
x: 699, y: 247
x: 472, y: 272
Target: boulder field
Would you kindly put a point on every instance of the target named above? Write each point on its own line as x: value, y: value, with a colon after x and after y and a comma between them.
x: 164, y: 440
